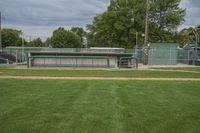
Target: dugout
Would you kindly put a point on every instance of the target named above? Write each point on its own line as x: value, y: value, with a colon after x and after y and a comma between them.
x: 104, y: 58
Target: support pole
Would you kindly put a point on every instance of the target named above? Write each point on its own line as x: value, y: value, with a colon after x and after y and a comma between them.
x: 136, y: 46
x: 22, y: 47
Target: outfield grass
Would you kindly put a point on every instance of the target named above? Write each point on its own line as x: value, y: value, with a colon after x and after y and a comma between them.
x: 98, y: 73
x: 58, y: 106
x: 196, y: 69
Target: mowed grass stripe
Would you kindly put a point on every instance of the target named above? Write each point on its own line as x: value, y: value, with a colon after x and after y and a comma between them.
x: 58, y: 106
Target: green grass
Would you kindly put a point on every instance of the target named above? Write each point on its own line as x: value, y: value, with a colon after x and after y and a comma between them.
x: 60, y: 106
x: 196, y: 69
x: 97, y: 73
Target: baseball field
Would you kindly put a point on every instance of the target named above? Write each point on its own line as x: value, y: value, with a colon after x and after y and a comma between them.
x: 100, y: 101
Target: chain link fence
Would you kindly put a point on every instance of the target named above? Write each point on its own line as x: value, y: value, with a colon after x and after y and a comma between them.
x: 19, y: 55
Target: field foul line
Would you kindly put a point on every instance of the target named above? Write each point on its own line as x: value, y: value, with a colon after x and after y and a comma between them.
x: 98, y: 78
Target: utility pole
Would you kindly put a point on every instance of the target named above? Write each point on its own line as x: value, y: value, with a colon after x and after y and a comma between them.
x: 145, y: 61
x: 147, y: 23
x: 0, y: 33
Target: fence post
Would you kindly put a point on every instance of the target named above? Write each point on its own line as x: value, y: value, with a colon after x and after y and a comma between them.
x: 108, y: 62
x: 170, y: 56
x: 16, y: 57
x: 188, y: 59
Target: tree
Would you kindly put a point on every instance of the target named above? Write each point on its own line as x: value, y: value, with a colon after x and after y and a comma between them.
x: 80, y: 32
x: 65, y: 39
x: 183, y: 37
x: 48, y: 42
x: 37, y: 42
x: 117, y: 26
x: 11, y: 37
x: 165, y: 17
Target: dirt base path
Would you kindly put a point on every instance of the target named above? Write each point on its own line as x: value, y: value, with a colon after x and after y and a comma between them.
x: 98, y: 78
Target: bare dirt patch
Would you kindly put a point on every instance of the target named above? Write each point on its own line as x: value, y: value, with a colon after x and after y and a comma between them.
x: 98, y: 78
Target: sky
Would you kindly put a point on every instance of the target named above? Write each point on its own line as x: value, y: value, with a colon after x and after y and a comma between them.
x: 38, y: 18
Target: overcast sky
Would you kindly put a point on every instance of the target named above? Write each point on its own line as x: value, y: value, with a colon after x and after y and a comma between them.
x: 38, y: 18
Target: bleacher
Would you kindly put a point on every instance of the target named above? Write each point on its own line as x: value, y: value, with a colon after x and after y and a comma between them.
x: 7, y: 58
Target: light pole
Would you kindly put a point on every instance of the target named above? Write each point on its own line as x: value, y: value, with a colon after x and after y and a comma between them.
x: 136, y: 42
x: 22, y: 45
x: 136, y: 38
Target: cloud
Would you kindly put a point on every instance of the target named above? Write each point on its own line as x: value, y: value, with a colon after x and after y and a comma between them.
x: 51, y: 12
x: 192, y: 13
x: 40, y: 17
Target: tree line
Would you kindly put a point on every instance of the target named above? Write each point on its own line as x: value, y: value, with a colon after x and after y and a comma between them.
x: 116, y: 27
x: 61, y: 38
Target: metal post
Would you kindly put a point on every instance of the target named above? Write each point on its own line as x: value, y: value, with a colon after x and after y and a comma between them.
x: 170, y: 57
x: 188, y: 60
x: 136, y: 36
x: 16, y: 57
x: 22, y: 46
x: 108, y: 63
x: 196, y: 51
x: 136, y: 47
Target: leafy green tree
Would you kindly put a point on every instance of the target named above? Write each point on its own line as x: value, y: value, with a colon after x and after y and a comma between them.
x: 65, y: 39
x: 19, y: 42
x: 165, y: 17
x: 48, y: 42
x: 11, y: 37
x: 183, y: 37
x: 80, y: 32
x: 117, y: 26
x: 37, y: 42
